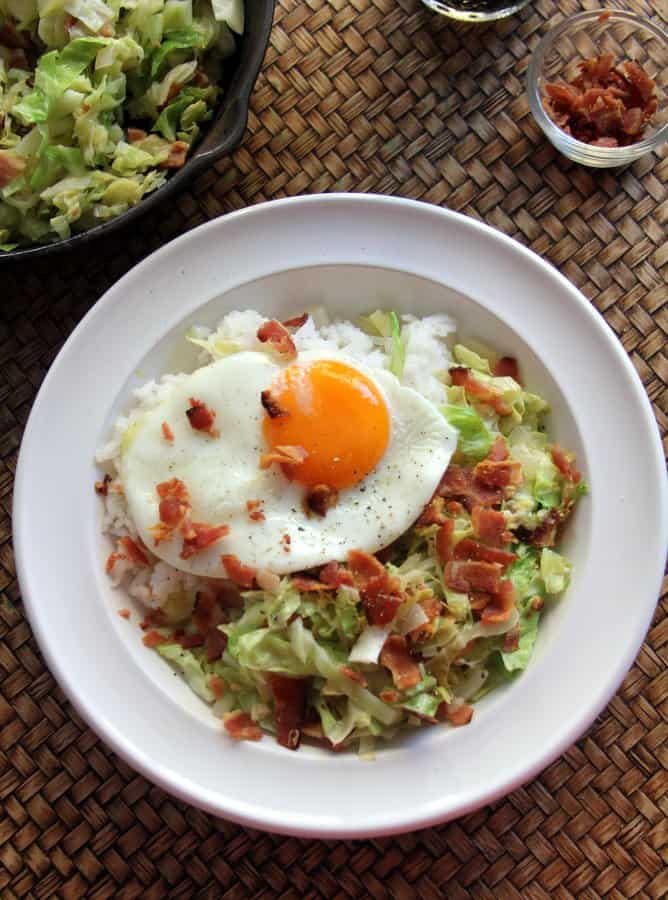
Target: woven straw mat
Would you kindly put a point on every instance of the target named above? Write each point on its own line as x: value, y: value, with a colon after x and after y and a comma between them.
x: 382, y: 96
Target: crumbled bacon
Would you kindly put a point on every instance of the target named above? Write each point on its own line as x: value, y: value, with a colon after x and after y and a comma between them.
x: 154, y: 639
x: 289, y: 708
x: 136, y: 134
x: 11, y: 165
x: 455, y: 713
x: 479, y: 392
x: 133, y: 551
x: 296, y: 321
x: 431, y: 606
x: 490, y: 526
x: 353, y: 675
x: 167, y: 432
x: 473, y: 575
x: 271, y: 406
x: 537, y: 603
x: 444, y: 537
x: 459, y: 484
x: 606, y: 105
x: 102, y: 487
x: 321, y: 498
x: 308, y: 585
x: 283, y: 455
x: 201, y: 417
x: 241, y: 727
x: 467, y: 548
x: 511, y: 640
x: 388, y: 696
x: 254, y: 508
x: 433, y: 513
x: 499, y: 449
x: 215, y: 642
x: 565, y: 462
x: 177, y: 156
x: 124, y: 613
x: 207, y: 612
x: 382, y: 597
x: 364, y: 566
x: 395, y: 657
x: 502, y: 605
x: 286, y: 540
x: 278, y: 336
x: 507, y: 367
x: 202, y: 536
x: 189, y: 641
x: 334, y: 576
x: 240, y: 574
x: 498, y: 473
x: 217, y: 686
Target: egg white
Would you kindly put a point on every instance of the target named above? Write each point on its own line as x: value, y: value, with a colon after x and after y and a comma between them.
x: 222, y: 473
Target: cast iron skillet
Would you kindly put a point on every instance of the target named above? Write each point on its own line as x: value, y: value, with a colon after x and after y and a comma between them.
x: 223, y: 135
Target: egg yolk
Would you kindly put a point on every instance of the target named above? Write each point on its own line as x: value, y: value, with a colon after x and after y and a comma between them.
x: 336, y: 414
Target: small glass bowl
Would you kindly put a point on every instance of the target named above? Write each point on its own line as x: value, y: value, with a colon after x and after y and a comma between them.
x: 627, y: 37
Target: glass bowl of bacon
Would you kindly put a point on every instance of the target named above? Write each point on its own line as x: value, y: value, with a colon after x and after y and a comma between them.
x: 597, y: 87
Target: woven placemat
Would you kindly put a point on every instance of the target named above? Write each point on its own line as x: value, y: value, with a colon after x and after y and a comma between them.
x: 356, y: 95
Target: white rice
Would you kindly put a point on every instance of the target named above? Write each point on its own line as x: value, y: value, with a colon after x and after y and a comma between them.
x: 427, y: 359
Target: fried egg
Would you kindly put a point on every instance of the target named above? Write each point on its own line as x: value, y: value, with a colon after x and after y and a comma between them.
x: 382, y: 446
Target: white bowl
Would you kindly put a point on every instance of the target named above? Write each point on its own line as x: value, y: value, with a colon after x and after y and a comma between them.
x: 351, y: 252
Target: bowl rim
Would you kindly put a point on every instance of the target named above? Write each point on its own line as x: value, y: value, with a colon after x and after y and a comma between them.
x: 234, y: 105
x: 270, y: 818
x: 565, y: 142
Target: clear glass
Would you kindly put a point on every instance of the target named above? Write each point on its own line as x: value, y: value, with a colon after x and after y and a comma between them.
x: 476, y: 10
x: 588, y: 34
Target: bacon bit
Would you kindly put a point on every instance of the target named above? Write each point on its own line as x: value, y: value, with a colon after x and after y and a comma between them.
x: 458, y: 484
x: 286, y: 540
x: 271, y: 406
x: 11, y: 165
x: 606, y: 105
x: 154, y: 639
x: 498, y: 473
x: 511, y: 640
x: 242, y: 575
x: 364, y: 566
x: 454, y: 507
x: 178, y: 153
x: 499, y: 449
x: 112, y: 559
x: 167, y: 432
x: 207, y: 612
x: 502, y: 604
x: 173, y: 488
x: 467, y: 548
x: 254, y: 508
x: 136, y: 134
x: 565, y: 462
x: 507, y: 367
x: 395, y: 657
x: 124, y: 613
x: 320, y: 498
x: 537, y: 603
x: 468, y: 575
x: 296, y: 321
x: 382, y: 597
x: 479, y: 392
x: 201, y: 537
x: 388, y: 696
x: 217, y: 686
x: 241, y: 727
x: 308, y: 585
x: 189, y: 641
x: 289, y: 708
x: 201, y: 417
x: 456, y: 714
x: 490, y: 526
x: 133, y: 552
x: 353, y: 675
x: 279, y: 337
x: 431, y: 607
x: 478, y: 600
x: 335, y: 576
x: 215, y: 642
x: 444, y: 537
x: 433, y: 513
x: 102, y: 487
x: 284, y: 455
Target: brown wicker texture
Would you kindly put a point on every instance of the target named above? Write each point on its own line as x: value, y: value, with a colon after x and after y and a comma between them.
x: 383, y: 96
